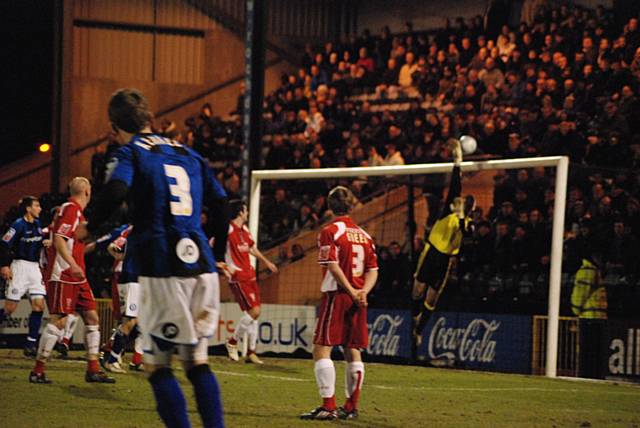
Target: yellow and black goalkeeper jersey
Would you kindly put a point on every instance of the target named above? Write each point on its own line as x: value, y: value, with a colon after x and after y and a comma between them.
x: 447, y: 232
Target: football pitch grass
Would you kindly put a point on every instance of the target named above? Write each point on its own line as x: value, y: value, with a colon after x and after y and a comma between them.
x: 275, y: 394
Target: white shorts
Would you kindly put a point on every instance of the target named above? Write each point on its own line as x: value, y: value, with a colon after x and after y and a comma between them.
x: 27, y: 278
x: 129, y: 295
x: 178, y: 311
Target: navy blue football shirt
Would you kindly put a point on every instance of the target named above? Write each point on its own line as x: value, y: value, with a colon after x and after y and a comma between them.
x: 167, y: 185
x: 23, y: 240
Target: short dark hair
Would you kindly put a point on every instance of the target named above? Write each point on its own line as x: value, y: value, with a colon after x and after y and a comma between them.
x: 26, y: 202
x: 236, y: 206
x: 129, y: 110
x: 340, y: 200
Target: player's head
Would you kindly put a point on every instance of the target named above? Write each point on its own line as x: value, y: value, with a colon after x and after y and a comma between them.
x: 129, y: 111
x: 468, y: 204
x: 30, y: 205
x: 238, y: 209
x: 341, y: 200
x: 80, y: 189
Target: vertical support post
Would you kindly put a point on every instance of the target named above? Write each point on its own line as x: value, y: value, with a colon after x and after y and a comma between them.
x: 559, y: 205
x: 61, y: 97
x: 254, y: 211
x: 411, y: 219
x: 254, y: 89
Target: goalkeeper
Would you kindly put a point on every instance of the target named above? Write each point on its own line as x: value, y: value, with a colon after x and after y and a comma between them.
x: 442, y: 246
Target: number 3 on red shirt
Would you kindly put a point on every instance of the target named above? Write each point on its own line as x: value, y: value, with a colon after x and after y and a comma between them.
x: 357, y: 268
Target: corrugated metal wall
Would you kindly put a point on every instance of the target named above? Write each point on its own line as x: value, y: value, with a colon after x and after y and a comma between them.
x: 129, y: 11
x: 179, y: 59
x: 307, y: 19
x: 112, y: 54
x: 137, y: 54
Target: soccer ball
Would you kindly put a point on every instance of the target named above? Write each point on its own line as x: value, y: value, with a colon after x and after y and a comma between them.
x: 469, y: 144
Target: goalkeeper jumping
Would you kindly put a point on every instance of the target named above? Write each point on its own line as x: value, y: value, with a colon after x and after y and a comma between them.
x: 442, y: 246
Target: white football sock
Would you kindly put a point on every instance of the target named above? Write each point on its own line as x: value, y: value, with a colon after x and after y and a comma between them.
x: 137, y: 344
x: 243, y: 326
x: 353, y: 377
x: 70, y: 326
x: 253, y: 335
x: 48, y: 339
x: 92, y: 339
x: 325, y: 377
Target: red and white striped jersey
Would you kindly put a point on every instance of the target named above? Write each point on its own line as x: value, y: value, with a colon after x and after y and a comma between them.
x: 65, y: 225
x: 239, y: 242
x: 345, y: 243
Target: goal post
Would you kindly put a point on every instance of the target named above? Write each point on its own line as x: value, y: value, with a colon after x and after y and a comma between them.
x: 561, y: 163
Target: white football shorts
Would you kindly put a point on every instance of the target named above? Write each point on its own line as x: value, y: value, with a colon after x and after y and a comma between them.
x: 178, y: 311
x: 129, y: 295
x: 27, y: 279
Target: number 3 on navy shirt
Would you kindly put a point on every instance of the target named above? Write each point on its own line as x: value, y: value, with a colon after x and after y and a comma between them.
x: 181, y: 190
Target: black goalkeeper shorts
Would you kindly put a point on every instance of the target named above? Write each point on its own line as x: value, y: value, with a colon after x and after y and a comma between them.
x: 433, y: 267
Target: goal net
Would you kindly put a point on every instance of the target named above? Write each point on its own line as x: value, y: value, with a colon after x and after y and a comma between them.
x: 501, y: 279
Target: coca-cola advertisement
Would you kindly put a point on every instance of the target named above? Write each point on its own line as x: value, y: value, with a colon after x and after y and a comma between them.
x: 478, y: 341
x: 389, y: 333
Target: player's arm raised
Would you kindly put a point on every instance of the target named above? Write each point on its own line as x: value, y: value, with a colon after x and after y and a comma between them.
x: 455, y: 185
x: 255, y: 252
x: 120, y: 173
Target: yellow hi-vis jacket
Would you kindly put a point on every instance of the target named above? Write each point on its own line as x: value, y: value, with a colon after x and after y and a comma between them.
x: 589, y: 297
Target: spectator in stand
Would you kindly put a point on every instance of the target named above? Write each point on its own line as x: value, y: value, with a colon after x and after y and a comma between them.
x: 365, y: 61
x: 405, y: 78
x: 490, y: 74
x: 394, y: 157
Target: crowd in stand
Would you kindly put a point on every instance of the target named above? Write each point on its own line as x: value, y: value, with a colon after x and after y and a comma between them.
x: 567, y: 84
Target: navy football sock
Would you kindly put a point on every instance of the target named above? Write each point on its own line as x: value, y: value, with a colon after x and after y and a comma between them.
x: 207, y: 392
x: 416, y: 307
x: 170, y: 401
x: 35, y: 319
x: 2, y: 315
x: 117, y: 345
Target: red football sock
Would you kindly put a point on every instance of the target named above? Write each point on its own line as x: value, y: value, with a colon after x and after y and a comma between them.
x: 136, y: 359
x: 352, y: 402
x: 92, y: 366
x: 66, y: 341
x: 233, y: 341
x: 39, y: 368
x: 329, y: 403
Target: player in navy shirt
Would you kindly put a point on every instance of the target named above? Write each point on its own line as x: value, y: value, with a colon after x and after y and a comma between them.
x: 166, y: 186
x: 20, y: 250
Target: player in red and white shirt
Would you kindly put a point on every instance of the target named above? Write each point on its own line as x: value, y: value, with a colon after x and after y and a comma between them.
x: 350, y: 270
x: 62, y: 346
x: 243, y: 283
x: 67, y: 287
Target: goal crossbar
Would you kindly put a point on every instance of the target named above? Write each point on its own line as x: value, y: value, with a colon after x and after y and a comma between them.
x: 561, y: 163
